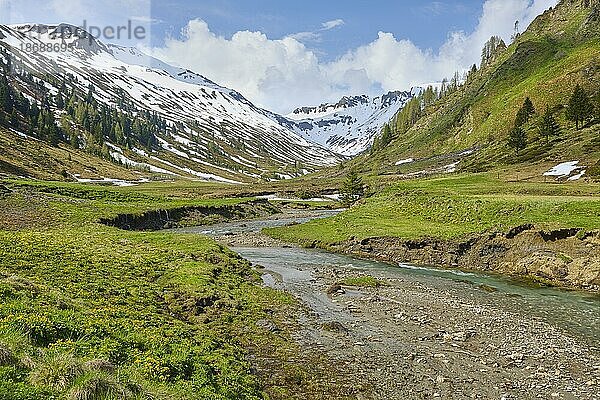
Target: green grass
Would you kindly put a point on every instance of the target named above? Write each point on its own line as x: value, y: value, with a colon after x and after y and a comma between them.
x: 89, y: 311
x: 63, y: 204
x: 451, y: 208
x: 164, y: 309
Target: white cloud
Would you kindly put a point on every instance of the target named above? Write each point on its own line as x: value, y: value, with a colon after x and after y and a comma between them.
x: 332, y: 24
x: 146, y: 19
x: 284, y: 73
x: 315, y: 36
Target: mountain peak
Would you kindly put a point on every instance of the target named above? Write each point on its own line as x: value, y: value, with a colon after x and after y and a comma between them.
x: 349, y: 126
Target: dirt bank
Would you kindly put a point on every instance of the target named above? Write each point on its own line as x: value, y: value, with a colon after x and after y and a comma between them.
x: 191, y: 216
x: 566, y: 258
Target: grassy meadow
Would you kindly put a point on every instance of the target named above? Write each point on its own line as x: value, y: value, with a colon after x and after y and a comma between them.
x: 93, y: 312
x: 452, y: 207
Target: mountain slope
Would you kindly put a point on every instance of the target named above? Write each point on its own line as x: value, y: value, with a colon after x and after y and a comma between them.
x: 468, y: 129
x: 349, y: 126
x: 209, y: 131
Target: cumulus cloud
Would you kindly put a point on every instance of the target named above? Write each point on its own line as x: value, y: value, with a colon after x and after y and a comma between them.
x: 282, y: 74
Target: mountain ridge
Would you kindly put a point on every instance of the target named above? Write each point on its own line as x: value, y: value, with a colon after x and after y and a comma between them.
x: 211, y: 132
x: 349, y: 126
x: 467, y: 130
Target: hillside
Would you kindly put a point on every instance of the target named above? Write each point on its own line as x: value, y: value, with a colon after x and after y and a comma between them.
x: 121, y: 105
x: 467, y: 130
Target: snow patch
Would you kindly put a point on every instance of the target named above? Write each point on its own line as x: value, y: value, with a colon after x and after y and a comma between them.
x: 407, y: 161
x: 450, y: 168
x: 114, y: 181
x: 563, y: 170
x: 126, y: 161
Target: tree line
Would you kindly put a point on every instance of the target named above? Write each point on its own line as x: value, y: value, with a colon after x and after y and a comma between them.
x: 414, y: 109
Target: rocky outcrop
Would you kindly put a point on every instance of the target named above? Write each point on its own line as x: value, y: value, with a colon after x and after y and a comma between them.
x: 190, y: 216
x: 565, y: 257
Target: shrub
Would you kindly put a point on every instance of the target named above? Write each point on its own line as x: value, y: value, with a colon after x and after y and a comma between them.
x: 98, y: 386
x: 99, y: 365
x: 6, y: 356
x: 56, y: 370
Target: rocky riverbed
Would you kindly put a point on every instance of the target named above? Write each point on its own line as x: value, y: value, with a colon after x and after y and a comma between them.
x: 425, y: 335
x: 409, y: 340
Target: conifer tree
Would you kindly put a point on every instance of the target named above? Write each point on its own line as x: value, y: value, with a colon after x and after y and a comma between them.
x: 352, y: 189
x: 517, y: 139
x: 386, y: 136
x: 580, y: 107
x: 525, y: 113
x: 548, y: 126
x: 494, y: 46
x: 528, y: 106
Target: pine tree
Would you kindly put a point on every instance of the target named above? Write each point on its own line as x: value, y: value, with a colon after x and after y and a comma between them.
x: 548, y: 126
x: 528, y: 106
x: 525, y: 113
x: 517, y: 139
x: 471, y: 73
x: 580, y: 107
x: 352, y: 189
x: 386, y: 136
x: 376, y: 146
x: 14, y: 119
x: 60, y: 104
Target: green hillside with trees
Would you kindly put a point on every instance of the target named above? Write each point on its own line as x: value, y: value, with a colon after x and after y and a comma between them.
x: 535, y: 102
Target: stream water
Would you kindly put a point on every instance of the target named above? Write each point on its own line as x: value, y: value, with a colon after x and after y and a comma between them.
x: 291, y: 269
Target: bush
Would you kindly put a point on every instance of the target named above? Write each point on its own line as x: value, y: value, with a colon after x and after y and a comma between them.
x: 6, y: 356
x: 56, y: 371
x: 98, y: 386
x: 99, y: 365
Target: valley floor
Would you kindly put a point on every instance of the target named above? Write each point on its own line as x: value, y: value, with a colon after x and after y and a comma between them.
x: 91, y: 310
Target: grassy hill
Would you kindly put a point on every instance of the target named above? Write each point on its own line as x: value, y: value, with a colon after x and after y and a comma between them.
x: 29, y: 157
x: 560, y: 49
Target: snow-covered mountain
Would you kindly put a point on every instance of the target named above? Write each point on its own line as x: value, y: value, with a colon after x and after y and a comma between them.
x: 204, y: 118
x: 349, y: 126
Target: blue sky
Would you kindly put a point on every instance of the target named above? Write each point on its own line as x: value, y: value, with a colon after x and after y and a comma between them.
x: 286, y: 54
x: 426, y: 23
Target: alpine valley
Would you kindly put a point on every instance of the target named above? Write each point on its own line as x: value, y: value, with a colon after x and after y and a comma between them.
x: 164, y: 238
x: 199, y: 129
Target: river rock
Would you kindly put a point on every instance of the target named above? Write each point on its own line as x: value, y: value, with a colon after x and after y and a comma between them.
x: 334, y: 326
x: 334, y: 289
